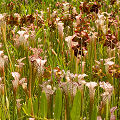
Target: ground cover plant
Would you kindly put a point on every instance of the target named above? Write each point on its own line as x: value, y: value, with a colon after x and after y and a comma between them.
x: 59, y: 60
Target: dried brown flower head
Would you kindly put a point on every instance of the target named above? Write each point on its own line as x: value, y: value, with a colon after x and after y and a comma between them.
x: 12, y: 20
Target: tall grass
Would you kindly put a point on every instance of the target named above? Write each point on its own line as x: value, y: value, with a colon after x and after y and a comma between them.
x: 45, y: 75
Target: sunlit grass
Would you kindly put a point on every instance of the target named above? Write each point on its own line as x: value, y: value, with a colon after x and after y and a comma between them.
x: 59, y: 60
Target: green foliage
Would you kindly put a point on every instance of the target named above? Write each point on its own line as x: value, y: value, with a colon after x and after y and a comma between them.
x: 35, y: 106
x: 43, y: 105
x: 76, y: 109
x: 107, y: 111
x: 94, y: 113
x: 58, y: 104
x: 27, y: 107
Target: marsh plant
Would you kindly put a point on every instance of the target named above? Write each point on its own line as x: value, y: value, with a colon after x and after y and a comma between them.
x: 60, y: 60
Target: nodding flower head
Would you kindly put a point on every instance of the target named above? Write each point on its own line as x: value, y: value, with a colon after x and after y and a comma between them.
x: 21, y: 38
x: 20, y: 63
x: 105, y: 96
x: 18, y: 104
x: 81, y: 77
x: 15, y: 82
x: 69, y: 87
x: 69, y: 41
x: 108, y: 92
x: 91, y: 86
x: 106, y: 86
x: 112, y: 117
x: 69, y: 76
x: 16, y: 75
x: 48, y: 90
x: 108, y: 63
x: 40, y: 65
x: 23, y: 83
x: 24, y: 86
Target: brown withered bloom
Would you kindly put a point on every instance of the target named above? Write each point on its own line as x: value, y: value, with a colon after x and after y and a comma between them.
x: 82, y: 24
x: 97, y: 72
x: 114, y: 70
x: 52, y: 20
x: 84, y: 7
x: 83, y: 39
x: 30, y: 19
x: 40, y: 22
x: 94, y: 7
x: 12, y: 20
x: 77, y: 51
x: 23, y: 20
x: 66, y: 19
x: 27, y: 19
x: 52, y: 24
x: 111, y: 40
x: 11, y: 6
x: 59, y: 5
x: 112, y: 1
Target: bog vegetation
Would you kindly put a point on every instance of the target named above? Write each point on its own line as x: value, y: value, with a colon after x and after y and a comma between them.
x: 59, y: 60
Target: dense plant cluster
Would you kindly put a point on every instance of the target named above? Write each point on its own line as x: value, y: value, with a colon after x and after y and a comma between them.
x: 59, y: 60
